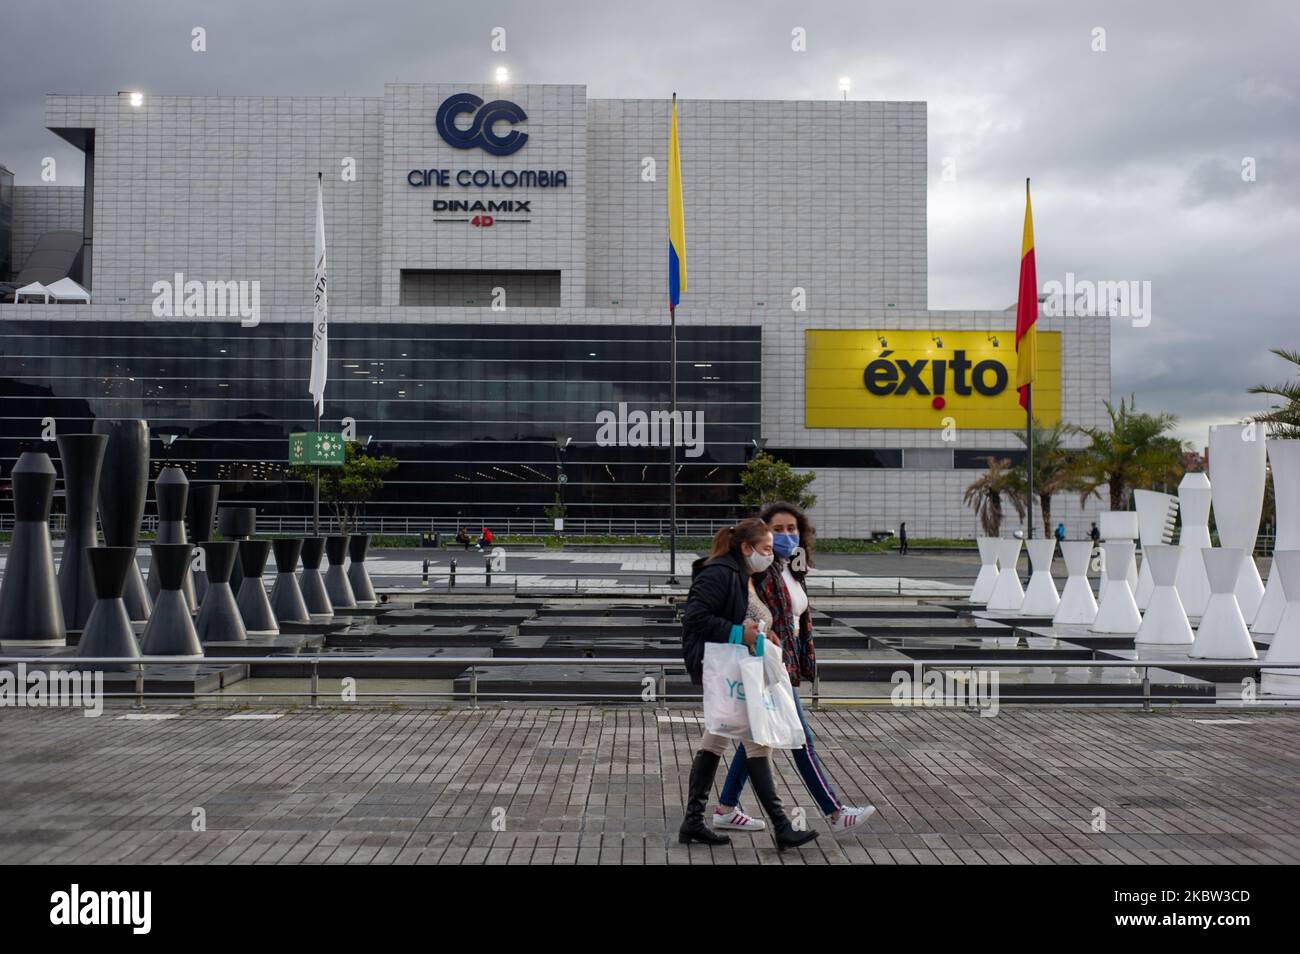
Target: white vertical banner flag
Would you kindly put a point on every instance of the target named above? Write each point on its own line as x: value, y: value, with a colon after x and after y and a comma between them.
x: 320, y: 305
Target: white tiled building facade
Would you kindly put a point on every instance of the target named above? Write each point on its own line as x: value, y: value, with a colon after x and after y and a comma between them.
x: 828, y: 197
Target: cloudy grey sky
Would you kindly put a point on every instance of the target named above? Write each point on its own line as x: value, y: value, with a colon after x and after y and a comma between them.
x: 1136, y: 152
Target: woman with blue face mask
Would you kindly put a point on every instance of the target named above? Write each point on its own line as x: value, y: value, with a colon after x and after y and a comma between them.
x: 781, y: 589
x: 723, y: 607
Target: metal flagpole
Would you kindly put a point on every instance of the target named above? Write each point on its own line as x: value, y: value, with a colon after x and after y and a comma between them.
x: 672, y: 454
x: 1029, y: 471
x: 674, y: 178
x: 315, y: 490
x: 1029, y: 385
x: 317, y: 399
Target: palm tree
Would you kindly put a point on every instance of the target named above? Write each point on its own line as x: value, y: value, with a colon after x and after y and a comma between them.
x: 1134, y: 452
x: 1284, y: 420
x: 1054, y: 469
x: 985, y: 495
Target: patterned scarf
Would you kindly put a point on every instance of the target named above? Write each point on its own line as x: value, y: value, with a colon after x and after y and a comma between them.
x: 795, y: 635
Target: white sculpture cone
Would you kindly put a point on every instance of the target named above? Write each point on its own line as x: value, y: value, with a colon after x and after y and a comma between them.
x: 1250, y: 588
x: 988, y: 574
x: 1222, y: 633
x: 1007, y: 592
x: 1041, y: 598
x: 1119, y: 525
x: 1284, y: 461
x: 1237, y: 454
x: 1285, y: 647
x: 1146, y: 585
x: 1118, y: 612
x: 1078, y: 606
x: 1269, y: 614
x: 1155, y: 513
x: 1194, y: 503
x: 1165, y: 622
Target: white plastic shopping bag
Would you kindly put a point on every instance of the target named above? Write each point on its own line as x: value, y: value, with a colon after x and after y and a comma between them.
x: 725, y: 712
x: 773, y: 717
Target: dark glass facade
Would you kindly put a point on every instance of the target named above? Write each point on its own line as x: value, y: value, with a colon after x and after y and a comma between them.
x: 472, y: 412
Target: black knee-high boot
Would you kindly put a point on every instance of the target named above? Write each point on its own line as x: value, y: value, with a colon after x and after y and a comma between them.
x: 760, y: 776
x: 693, y: 828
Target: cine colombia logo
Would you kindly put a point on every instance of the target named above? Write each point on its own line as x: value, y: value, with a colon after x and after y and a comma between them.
x: 481, y: 132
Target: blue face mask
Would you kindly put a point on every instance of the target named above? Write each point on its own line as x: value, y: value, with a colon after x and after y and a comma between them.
x: 784, y: 544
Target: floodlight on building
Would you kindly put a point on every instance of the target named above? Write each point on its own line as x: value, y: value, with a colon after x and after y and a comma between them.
x: 134, y: 98
x: 883, y: 342
x: 938, y: 342
x: 846, y: 84
x: 503, y: 75
x: 993, y: 339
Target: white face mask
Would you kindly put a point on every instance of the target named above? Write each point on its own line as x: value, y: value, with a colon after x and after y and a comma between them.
x: 757, y: 562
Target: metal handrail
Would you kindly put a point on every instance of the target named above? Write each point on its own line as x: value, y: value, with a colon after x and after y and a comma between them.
x: 474, y: 663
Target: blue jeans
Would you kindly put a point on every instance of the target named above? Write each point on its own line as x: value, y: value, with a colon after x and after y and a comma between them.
x: 805, y: 759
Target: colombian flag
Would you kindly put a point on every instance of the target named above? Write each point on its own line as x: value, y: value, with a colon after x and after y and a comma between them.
x: 676, y: 219
x: 1027, y: 311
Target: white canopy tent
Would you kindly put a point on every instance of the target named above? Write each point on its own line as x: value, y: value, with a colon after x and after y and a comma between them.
x: 31, y: 291
x: 66, y: 290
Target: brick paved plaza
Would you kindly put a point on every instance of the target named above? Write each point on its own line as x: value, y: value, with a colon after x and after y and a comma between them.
x: 591, y: 785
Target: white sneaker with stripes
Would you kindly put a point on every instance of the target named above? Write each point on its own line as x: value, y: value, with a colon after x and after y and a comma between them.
x: 851, y: 819
x: 736, y: 821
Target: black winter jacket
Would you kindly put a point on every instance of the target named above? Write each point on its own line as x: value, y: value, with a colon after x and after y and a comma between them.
x: 717, y: 601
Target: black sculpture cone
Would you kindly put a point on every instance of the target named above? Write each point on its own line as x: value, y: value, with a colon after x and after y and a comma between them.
x: 31, y: 615
x: 82, y: 457
x: 123, y: 485
x: 171, y: 628
x: 108, y: 630
x: 336, y: 580
x: 236, y: 523
x: 254, y: 607
x: 200, y: 512
x: 358, y: 578
x: 171, y: 493
x: 286, y: 599
x: 219, y: 620
x: 312, y: 583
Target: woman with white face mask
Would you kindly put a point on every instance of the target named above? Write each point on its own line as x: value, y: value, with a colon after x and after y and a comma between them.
x: 781, y: 589
x: 724, y: 607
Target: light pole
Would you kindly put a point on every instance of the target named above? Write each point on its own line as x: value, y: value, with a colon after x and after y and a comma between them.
x: 561, y: 446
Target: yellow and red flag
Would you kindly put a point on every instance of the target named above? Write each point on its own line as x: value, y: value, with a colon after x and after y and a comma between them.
x: 1027, y: 311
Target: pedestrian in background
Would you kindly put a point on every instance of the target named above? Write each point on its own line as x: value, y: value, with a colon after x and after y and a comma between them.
x: 902, y: 538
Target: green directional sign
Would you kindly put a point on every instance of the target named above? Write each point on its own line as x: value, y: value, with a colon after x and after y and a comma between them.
x: 316, y: 448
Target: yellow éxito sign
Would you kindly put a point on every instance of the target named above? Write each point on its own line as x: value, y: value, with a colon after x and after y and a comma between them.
x: 915, y: 379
